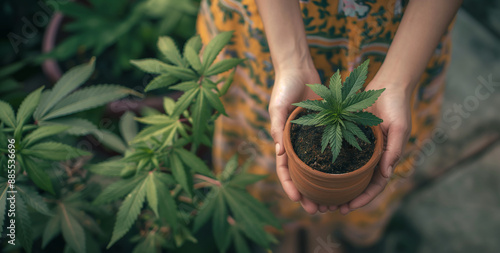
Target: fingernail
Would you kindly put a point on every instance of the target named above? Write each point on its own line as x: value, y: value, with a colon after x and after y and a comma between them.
x: 277, y: 148
x: 388, y: 172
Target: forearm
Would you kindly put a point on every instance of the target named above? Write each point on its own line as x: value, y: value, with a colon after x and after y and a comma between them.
x: 285, y: 34
x: 424, y: 22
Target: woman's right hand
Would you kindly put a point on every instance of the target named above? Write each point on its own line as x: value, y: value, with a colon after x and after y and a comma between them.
x: 290, y: 87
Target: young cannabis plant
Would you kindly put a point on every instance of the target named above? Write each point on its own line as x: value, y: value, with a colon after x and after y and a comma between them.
x: 341, y: 110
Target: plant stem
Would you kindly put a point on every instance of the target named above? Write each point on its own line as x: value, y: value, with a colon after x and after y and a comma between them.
x: 208, y: 180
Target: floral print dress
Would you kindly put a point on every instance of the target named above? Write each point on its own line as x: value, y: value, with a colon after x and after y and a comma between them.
x: 341, y: 35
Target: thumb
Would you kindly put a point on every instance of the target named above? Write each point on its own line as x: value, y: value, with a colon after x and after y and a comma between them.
x: 278, y: 120
x: 397, y: 137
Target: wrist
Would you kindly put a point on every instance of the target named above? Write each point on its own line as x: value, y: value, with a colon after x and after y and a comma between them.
x: 399, y: 86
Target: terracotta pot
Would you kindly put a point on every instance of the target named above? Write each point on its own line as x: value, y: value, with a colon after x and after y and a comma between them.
x: 324, y: 188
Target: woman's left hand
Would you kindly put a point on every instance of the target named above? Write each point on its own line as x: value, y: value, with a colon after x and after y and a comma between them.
x: 393, y: 107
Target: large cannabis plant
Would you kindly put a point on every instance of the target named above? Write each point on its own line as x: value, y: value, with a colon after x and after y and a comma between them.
x: 341, y: 110
x: 161, y: 168
x: 31, y: 142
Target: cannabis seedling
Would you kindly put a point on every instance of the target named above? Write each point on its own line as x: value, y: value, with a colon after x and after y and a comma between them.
x: 341, y: 110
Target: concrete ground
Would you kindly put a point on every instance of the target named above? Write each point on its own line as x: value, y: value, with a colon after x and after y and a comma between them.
x: 456, y: 204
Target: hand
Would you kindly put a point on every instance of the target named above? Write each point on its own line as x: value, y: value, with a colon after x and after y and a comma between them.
x: 393, y: 107
x: 290, y: 87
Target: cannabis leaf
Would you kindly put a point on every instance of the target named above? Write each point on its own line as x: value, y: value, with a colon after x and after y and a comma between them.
x: 341, y: 110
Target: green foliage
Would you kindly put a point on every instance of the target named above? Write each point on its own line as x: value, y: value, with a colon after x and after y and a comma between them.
x: 124, y: 29
x: 341, y: 110
x: 162, y: 192
x: 35, y: 132
x: 191, y: 73
x: 167, y: 184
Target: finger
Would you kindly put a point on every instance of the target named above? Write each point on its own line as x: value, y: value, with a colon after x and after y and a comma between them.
x: 285, y: 179
x: 323, y: 208
x: 333, y: 208
x: 344, y: 209
x: 397, y: 137
x: 376, y: 186
x: 278, y: 120
x: 309, y: 206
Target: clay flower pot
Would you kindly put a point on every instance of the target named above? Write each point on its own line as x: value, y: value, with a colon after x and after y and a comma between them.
x: 324, y: 188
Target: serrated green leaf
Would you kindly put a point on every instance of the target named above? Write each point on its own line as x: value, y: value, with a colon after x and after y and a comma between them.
x: 223, y: 66
x: 37, y: 174
x: 110, y: 140
x: 23, y: 225
x: 355, y: 80
x: 214, y: 100
x: 364, y: 118
x: 161, y: 81
x: 128, y: 212
x: 108, y: 168
x: 54, y: 151
x: 214, y: 47
x: 336, y: 86
x: 169, y: 50
x: 181, y: 174
x: 220, y: 226
x: 185, y: 86
x: 184, y: 101
x: 207, y: 209
x: 34, y: 200
x: 128, y: 126
x: 167, y: 208
x: 7, y: 114
x: 194, y: 43
x: 87, y: 98
x: 349, y: 137
x: 72, y: 230
x: 156, y: 119
x: 240, y: 244
x: 152, y: 66
x: 193, y: 58
x: 182, y: 73
x: 78, y: 126
x: 244, y: 179
x: 336, y: 143
x: 323, y: 92
x: 152, y: 194
x: 308, y: 120
x: 354, y: 129
x: 325, y: 139
x: 168, y: 105
x: 225, y: 87
x: 229, y: 169
x: 362, y: 100
x: 315, y: 105
x: 73, y: 79
x: 247, y: 220
x: 195, y: 164
x: 28, y: 106
x: 256, y: 207
x: 12, y: 68
x: 41, y: 133
x: 154, y: 130
x: 200, y: 117
x: 118, y: 189
x: 52, y: 229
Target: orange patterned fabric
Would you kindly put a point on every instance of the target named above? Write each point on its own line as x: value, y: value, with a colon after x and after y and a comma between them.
x: 341, y: 35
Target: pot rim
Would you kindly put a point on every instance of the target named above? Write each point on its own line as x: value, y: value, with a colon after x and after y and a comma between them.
x: 372, y: 163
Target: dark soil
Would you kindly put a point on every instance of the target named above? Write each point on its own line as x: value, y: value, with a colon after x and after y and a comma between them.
x: 306, y: 141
